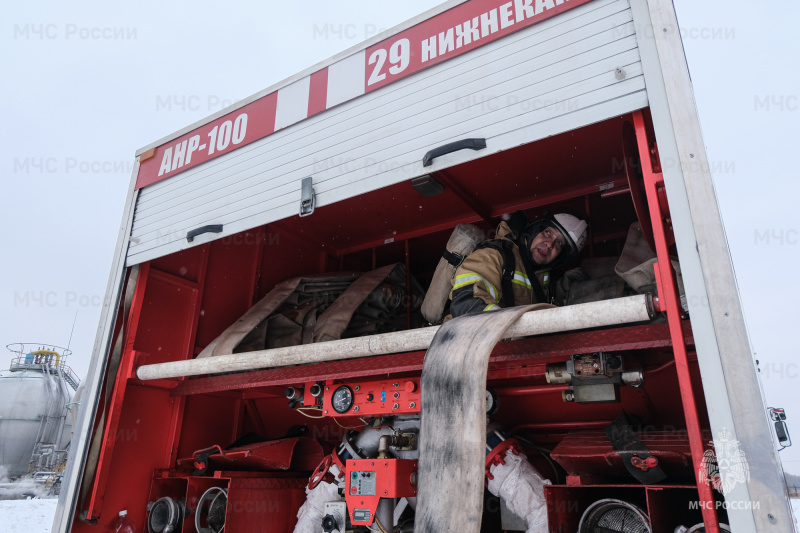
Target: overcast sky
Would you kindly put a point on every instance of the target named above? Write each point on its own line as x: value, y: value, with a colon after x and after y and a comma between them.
x: 86, y: 84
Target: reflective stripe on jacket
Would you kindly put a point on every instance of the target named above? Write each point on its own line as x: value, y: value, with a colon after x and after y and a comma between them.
x: 482, y: 271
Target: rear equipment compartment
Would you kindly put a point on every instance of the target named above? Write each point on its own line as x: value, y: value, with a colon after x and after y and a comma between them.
x: 266, y: 365
x: 259, y: 434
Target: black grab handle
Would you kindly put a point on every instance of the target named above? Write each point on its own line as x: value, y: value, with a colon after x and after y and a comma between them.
x: 472, y: 144
x: 211, y: 228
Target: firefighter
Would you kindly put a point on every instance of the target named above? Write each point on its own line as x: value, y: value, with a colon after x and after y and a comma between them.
x: 510, y: 262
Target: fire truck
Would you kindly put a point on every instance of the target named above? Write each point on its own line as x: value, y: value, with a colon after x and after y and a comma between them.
x: 272, y: 354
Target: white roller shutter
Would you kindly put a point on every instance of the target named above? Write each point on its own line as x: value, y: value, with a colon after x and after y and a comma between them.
x: 574, y: 69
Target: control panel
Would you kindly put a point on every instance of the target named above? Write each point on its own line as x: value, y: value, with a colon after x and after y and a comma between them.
x: 369, y: 480
x: 371, y: 398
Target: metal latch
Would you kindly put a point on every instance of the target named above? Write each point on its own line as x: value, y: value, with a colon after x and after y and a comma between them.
x: 781, y: 430
x: 308, y: 199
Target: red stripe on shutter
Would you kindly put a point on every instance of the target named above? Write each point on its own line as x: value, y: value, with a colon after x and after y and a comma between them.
x: 318, y: 92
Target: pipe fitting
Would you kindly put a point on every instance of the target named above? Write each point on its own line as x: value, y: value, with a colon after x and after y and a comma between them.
x: 395, y: 441
x: 557, y: 374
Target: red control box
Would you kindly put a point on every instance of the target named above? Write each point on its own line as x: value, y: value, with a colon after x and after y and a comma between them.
x: 371, y: 398
x: 369, y: 480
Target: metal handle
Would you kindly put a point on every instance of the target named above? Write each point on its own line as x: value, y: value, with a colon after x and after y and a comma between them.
x: 463, y: 144
x: 308, y: 199
x: 211, y: 228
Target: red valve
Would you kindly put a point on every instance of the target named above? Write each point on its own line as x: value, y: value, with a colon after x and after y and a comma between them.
x: 497, y: 455
x: 338, y: 462
x: 321, y: 472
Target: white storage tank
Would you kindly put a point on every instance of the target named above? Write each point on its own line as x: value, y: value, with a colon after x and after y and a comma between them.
x: 36, y: 412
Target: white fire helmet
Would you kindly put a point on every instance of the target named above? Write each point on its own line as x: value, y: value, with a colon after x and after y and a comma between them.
x: 573, y: 228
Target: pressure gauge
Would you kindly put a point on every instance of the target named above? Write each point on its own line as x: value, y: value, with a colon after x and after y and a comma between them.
x: 342, y: 399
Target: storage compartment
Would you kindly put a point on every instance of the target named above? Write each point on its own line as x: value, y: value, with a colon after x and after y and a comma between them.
x: 185, y: 300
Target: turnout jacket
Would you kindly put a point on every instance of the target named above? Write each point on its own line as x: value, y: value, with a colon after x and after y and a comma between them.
x: 477, y: 283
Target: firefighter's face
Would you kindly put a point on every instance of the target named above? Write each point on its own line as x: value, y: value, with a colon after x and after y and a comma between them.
x: 546, y: 246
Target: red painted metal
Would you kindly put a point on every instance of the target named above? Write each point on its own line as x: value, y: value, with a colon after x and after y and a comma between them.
x: 590, y: 453
x: 614, y: 192
x: 254, y: 417
x: 587, y: 210
x: 564, y: 426
x: 529, y: 391
x: 390, y: 478
x: 237, y: 428
x: 296, y: 453
x: 174, y: 432
x: 167, y: 384
x: 172, y: 279
x: 411, y: 234
x: 261, y: 238
x: 612, y: 182
x: 144, y: 425
x: 263, y: 504
x: 668, y: 291
x: 470, y: 199
x: 305, y: 239
x: 578, y: 191
x: 208, y: 419
x: 228, y: 287
x: 114, y: 408
x: 176, y: 423
x: 137, y: 450
x: 309, y: 400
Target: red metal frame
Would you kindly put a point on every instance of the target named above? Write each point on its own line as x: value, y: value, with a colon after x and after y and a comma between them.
x: 176, y: 423
x: 254, y: 286
x: 614, y: 181
x: 469, y: 199
x: 119, y: 441
x: 114, y: 409
x: 670, y: 300
x: 407, y: 257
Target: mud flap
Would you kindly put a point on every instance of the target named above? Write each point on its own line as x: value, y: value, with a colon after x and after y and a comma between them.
x: 453, y: 431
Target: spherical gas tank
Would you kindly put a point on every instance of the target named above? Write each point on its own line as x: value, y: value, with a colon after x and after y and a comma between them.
x: 33, y: 408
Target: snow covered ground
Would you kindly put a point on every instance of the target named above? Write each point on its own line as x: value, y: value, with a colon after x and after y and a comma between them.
x: 27, y: 516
